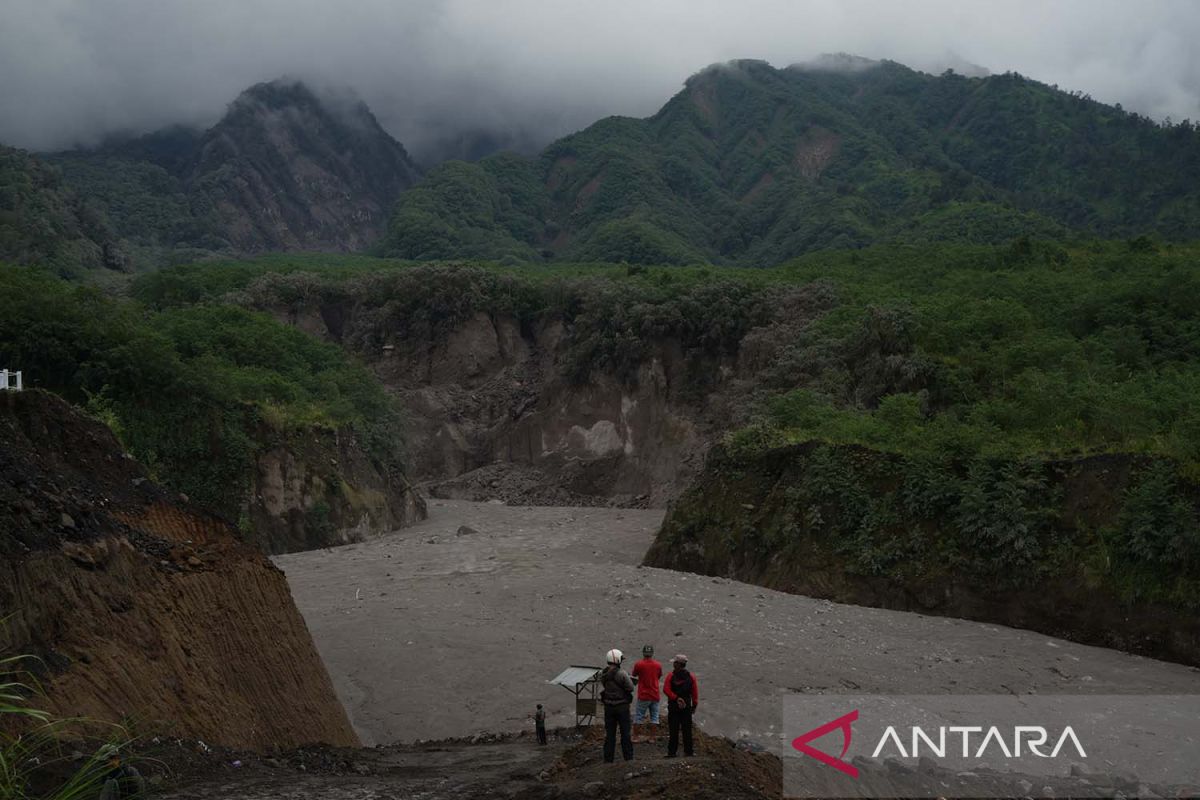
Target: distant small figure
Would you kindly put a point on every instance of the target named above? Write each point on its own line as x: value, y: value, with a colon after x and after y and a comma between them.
x: 121, y: 782
x: 648, y: 673
x: 617, y: 695
x: 539, y: 723
x: 683, y: 695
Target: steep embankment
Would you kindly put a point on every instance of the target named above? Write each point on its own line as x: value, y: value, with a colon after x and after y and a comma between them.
x: 140, y: 607
x: 609, y: 395
x: 322, y: 488
x: 1069, y: 547
x: 490, y: 412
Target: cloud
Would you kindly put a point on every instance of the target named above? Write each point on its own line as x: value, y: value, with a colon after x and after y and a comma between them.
x: 72, y: 71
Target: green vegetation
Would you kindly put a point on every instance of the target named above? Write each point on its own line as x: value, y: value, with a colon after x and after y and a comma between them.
x: 1008, y: 352
x: 158, y: 222
x: 30, y: 746
x: 190, y: 391
x: 45, y: 221
x: 753, y: 165
x: 939, y: 351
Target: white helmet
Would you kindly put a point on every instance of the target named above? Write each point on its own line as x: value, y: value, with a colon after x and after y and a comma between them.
x: 615, y: 656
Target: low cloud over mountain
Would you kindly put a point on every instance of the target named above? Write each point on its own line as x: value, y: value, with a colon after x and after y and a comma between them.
x: 524, y: 72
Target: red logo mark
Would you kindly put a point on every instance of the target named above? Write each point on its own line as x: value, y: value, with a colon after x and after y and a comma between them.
x: 843, y: 723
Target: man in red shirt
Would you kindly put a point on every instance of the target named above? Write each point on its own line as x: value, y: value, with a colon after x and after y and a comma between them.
x: 683, y: 695
x: 647, y: 672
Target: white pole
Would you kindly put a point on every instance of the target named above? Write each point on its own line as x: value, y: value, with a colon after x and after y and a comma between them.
x: 3, y: 379
x: 19, y: 385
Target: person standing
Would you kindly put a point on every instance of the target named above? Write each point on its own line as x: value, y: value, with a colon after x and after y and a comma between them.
x: 120, y: 780
x: 683, y: 695
x: 539, y: 723
x: 617, y: 695
x: 648, y: 673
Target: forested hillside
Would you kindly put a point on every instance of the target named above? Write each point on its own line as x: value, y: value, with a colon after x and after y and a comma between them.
x: 753, y: 165
x: 45, y: 221
x: 220, y: 403
x: 284, y: 169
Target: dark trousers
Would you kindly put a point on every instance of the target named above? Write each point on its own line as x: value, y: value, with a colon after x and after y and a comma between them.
x: 618, y: 717
x: 679, y: 719
x: 541, y: 733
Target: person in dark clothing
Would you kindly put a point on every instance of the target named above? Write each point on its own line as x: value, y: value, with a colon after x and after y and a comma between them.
x: 683, y: 695
x: 539, y: 723
x: 617, y: 696
x: 121, y: 782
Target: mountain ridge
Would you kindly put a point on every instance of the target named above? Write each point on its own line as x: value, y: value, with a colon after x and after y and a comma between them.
x: 750, y: 164
x: 285, y: 168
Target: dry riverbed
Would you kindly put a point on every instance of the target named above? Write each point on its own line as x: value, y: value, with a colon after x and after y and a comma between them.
x: 454, y: 625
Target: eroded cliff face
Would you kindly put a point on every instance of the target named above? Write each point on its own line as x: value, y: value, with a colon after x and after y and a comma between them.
x: 492, y: 394
x: 140, y: 607
x: 321, y: 489
x: 490, y: 413
x: 528, y: 407
x: 1043, y: 545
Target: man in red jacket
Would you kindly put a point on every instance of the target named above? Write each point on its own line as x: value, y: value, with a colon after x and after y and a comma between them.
x: 683, y: 695
x: 647, y: 672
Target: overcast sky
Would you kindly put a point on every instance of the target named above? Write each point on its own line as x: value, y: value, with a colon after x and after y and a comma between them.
x: 73, y: 70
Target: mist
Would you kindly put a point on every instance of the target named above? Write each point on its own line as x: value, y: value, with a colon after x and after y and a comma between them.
x: 75, y: 71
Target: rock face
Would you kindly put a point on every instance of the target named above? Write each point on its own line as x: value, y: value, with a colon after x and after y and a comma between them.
x: 490, y: 414
x: 496, y: 407
x: 1040, y: 546
x: 493, y: 393
x: 321, y: 489
x: 141, y: 607
x: 287, y: 170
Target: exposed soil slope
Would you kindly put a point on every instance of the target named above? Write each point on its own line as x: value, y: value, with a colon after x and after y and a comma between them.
x: 320, y: 488
x: 141, y: 607
x: 864, y: 527
x: 499, y: 405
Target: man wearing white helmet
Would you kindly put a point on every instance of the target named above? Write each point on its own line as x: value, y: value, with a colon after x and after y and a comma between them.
x: 617, y: 695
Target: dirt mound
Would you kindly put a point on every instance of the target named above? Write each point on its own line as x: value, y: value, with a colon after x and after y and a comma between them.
x: 139, y: 607
x: 719, y: 770
x: 570, y: 766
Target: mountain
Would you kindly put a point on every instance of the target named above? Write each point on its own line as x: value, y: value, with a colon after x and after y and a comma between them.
x: 750, y: 164
x: 286, y: 168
